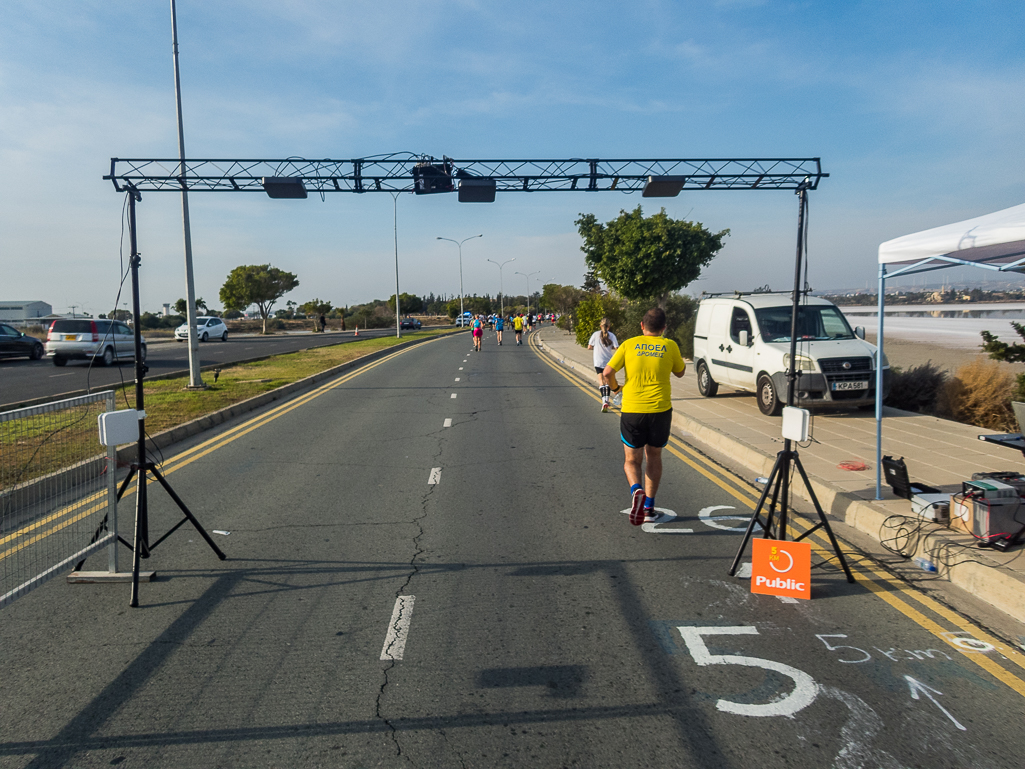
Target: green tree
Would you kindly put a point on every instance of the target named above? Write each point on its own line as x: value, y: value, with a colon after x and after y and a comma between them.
x: 410, y: 303
x: 561, y: 299
x: 258, y: 284
x: 647, y: 257
x: 1012, y: 353
x: 181, y: 306
x: 314, y: 309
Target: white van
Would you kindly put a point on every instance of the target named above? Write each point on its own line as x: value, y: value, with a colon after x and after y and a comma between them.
x: 743, y: 340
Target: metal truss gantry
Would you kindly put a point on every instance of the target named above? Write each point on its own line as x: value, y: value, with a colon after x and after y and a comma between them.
x: 401, y: 173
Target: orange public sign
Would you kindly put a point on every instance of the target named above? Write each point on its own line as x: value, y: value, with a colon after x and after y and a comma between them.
x: 781, y: 568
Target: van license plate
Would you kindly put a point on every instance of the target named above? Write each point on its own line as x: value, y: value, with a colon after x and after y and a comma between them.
x: 70, y: 337
x: 850, y: 386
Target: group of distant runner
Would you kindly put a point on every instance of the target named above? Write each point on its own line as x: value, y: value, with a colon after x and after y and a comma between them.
x: 520, y: 322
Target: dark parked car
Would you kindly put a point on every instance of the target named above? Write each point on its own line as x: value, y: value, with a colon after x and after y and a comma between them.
x: 14, y: 344
x: 411, y: 323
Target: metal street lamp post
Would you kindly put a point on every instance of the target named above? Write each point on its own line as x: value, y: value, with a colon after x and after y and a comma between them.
x: 195, y: 378
x: 501, y: 291
x: 459, y: 243
x: 527, y: 276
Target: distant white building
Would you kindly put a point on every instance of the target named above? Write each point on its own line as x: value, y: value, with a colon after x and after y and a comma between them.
x: 14, y: 312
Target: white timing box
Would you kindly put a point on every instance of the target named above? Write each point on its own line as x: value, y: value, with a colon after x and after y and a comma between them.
x: 796, y: 423
x: 117, y: 427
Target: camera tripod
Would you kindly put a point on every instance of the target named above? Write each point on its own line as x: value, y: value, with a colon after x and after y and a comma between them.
x: 779, y: 479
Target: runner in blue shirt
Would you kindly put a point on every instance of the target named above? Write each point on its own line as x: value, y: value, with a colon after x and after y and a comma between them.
x: 499, y: 325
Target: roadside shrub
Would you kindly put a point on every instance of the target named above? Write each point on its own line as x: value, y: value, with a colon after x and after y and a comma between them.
x: 681, y: 315
x: 979, y: 394
x: 591, y: 310
x: 917, y: 388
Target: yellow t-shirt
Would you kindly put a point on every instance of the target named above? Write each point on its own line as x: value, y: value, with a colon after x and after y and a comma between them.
x: 648, y: 360
x: 518, y: 323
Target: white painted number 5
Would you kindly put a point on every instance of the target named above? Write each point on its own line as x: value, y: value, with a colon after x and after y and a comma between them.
x: 805, y: 688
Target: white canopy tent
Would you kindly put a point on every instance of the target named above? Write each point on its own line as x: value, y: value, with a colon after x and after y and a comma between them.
x: 993, y: 242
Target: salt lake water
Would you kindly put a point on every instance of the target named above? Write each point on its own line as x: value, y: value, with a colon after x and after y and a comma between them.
x: 950, y: 325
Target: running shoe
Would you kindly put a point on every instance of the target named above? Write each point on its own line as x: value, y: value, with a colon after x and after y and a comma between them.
x: 604, y: 407
x: 650, y: 516
x: 637, y: 508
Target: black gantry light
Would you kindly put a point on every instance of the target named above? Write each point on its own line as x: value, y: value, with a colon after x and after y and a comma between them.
x: 290, y: 187
x: 477, y: 190
x: 663, y: 186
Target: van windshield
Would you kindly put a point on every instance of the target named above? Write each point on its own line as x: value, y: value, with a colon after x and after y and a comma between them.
x: 813, y: 322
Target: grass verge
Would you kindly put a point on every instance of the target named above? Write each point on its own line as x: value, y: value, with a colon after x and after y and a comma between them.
x: 33, y: 447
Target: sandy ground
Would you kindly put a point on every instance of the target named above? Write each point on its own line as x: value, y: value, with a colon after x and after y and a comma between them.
x: 905, y: 353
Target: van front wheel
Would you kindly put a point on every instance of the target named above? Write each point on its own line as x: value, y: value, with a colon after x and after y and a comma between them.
x: 768, y: 398
x: 707, y: 386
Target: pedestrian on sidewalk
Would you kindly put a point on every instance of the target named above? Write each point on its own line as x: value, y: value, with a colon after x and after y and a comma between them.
x: 499, y: 325
x: 322, y: 321
x: 604, y: 343
x: 647, y: 414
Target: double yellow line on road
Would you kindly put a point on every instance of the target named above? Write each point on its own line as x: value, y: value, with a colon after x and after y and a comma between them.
x: 870, y: 575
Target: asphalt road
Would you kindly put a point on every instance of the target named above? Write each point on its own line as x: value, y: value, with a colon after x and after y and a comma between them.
x: 522, y: 620
x: 23, y: 380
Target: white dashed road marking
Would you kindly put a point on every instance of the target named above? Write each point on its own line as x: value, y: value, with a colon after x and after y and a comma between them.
x: 457, y: 379
x: 448, y: 422
x: 744, y: 570
x: 398, y: 630
x: 453, y: 395
x: 435, y: 476
x: 787, y: 599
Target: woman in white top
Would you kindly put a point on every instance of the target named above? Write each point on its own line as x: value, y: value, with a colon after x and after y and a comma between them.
x: 604, y: 343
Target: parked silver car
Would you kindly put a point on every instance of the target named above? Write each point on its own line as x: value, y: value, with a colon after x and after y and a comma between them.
x: 106, y: 341
x: 207, y: 328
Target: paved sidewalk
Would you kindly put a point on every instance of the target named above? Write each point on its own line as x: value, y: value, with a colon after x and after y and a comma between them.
x: 938, y: 452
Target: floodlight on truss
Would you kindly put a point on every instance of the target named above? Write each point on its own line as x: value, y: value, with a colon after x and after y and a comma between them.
x: 663, y: 186
x: 477, y: 190
x: 284, y: 187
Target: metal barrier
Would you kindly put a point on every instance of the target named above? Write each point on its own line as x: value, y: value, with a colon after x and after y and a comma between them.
x: 58, y: 493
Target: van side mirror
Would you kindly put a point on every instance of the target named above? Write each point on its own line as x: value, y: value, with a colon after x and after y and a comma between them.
x: 859, y: 331
x: 744, y: 340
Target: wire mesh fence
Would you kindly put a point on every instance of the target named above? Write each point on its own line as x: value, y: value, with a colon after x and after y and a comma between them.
x: 57, y: 491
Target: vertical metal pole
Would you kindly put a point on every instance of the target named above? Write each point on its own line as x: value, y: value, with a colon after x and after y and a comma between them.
x: 395, y: 214
x: 112, y: 548
x: 879, y: 383
x: 141, y: 546
x: 460, y: 245
x: 802, y: 191
x: 195, y: 378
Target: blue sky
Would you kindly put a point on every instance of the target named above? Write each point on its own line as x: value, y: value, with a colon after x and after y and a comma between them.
x: 915, y: 108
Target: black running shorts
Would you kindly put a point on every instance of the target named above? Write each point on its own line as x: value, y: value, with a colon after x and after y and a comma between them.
x: 639, y: 430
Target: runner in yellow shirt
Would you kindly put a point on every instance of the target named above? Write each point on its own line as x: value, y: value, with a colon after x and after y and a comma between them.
x: 518, y: 328
x: 647, y: 413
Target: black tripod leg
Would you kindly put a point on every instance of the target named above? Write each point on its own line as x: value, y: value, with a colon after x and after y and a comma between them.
x: 188, y: 514
x: 140, y: 541
x: 754, y: 516
x: 124, y: 484
x: 823, y: 520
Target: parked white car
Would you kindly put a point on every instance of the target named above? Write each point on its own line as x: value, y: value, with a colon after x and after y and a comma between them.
x: 207, y: 328
x: 743, y: 340
x: 108, y: 341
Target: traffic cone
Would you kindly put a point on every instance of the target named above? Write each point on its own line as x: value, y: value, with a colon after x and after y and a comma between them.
x: 357, y: 331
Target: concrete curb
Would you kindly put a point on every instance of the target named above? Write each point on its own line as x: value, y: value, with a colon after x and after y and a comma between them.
x: 986, y: 580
